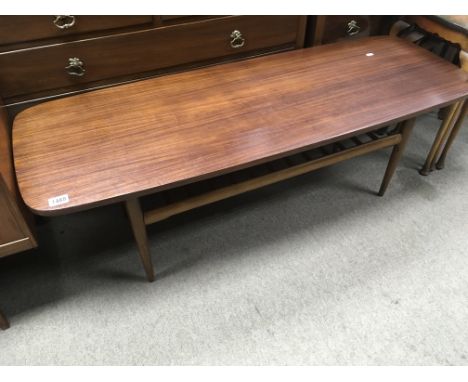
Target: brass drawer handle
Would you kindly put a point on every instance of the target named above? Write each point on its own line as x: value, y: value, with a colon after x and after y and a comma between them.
x: 75, y: 67
x: 237, y: 40
x: 64, y: 22
x: 353, y: 28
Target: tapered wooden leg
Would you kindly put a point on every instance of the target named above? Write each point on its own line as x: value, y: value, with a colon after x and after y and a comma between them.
x: 441, y: 162
x: 441, y: 136
x: 397, y: 151
x: 446, y: 136
x: 139, y: 231
x: 4, y: 324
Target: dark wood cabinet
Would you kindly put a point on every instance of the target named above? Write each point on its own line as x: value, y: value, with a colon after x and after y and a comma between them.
x: 78, y: 64
x: 39, y: 59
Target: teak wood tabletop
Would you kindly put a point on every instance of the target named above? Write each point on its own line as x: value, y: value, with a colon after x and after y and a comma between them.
x: 151, y: 135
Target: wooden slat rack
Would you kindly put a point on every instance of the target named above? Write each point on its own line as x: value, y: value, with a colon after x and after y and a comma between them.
x: 181, y: 199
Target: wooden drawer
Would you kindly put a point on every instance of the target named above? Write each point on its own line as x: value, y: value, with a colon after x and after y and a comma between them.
x: 341, y: 27
x: 16, y: 29
x: 43, y: 68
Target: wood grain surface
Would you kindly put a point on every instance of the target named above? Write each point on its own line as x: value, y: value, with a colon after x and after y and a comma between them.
x: 135, y: 139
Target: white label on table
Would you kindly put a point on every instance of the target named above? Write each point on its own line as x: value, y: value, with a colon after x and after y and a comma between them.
x: 58, y: 200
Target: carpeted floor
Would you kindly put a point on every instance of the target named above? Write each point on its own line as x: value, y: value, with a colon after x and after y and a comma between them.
x: 316, y: 270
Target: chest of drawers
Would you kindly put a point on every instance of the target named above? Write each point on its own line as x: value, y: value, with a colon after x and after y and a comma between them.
x: 45, y: 56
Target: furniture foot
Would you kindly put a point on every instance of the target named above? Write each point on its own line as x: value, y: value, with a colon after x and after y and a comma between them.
x: 440, y: 138
x: 441, y: 162
x: 137, y: 222
x: 4, y: 324
x: 405, y: 131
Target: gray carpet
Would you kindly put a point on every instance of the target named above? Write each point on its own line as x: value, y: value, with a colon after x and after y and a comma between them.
x: 316, y: 271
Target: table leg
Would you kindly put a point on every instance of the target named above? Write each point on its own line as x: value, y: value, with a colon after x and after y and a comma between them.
x: 405, y: 131
x: 441, y: 162
x: 440, y: 138
x: 137, y: 222
x: 4, y: 324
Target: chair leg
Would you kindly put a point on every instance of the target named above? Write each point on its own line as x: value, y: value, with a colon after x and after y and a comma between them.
x: 441, y: 162
x: 441, y: 136
x: 4, y: 324
x: 137, y: 222
x: 397, y: 151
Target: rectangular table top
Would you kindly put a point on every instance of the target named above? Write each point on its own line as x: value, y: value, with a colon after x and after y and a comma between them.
x: 135, y: 139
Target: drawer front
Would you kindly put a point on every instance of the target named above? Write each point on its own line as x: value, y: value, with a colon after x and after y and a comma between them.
x: 16, y: 29
x: 342, y: 27
x: 77, y: 63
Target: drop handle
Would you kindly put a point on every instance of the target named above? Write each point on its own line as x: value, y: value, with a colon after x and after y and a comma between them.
x: 237, y: 40
x: 75, y: 67
x: 64, y: 22
x: 352, y: 28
